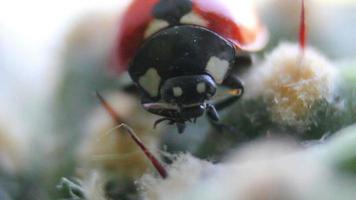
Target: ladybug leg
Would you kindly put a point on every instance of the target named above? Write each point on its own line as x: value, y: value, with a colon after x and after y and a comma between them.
x: 180, y: 127
x: 213, y: 117
x: 222, y: 127
x: 212, y: 113
x: 242, y: 61
x: 236, y: 91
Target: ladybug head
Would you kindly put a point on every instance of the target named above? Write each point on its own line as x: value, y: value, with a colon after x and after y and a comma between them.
x: 189, y: 94
x: 183, y: 97
x: 188, y: 90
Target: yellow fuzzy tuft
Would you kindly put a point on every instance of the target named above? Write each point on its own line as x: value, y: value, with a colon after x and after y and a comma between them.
x: 292, y: 83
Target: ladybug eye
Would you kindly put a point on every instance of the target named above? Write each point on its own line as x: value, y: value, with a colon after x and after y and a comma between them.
x: 210, y: 88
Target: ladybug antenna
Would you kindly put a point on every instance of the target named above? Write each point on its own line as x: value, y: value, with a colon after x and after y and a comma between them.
x: 155, y: 162
x: 302, y: 27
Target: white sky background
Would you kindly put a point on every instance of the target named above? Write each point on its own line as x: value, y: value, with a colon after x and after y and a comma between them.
x: 31, y: 38
x: 31, y: 33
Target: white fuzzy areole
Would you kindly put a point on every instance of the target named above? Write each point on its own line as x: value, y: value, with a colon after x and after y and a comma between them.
x: 192, y: 18
x: 217, y: 68
x: 201, y: 88
x: 177, y: 91
x: 154, y: 26
x: 150, y: 82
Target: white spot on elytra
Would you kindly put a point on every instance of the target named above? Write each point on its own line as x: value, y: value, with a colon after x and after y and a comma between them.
x: 177, y: 91
x: 192, y: 18
x: 154, y: 26
x: 150, y: 82
x: 201, y: 88
x: 217, y: 68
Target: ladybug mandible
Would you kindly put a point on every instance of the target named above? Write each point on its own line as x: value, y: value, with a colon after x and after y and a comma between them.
x: 178, y: 51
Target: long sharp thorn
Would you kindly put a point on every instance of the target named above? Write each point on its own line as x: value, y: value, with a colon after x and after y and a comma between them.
x: 155, y: 162
x: 109, y: 109
x: 302, y: 27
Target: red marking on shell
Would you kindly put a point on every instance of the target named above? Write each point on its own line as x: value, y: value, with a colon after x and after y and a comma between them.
x: 244, y: 30
x: 131, y: 33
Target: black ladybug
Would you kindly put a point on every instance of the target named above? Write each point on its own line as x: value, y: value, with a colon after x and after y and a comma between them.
x: 178, y: 51
x: 178, y: 70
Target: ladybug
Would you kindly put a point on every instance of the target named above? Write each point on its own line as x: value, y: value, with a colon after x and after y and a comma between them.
x: 178, y: 51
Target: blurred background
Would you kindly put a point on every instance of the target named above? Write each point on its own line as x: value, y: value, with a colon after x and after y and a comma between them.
x: 55, y: 54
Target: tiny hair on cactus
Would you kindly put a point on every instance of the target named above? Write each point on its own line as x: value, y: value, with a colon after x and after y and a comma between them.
x: 155, y: 162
